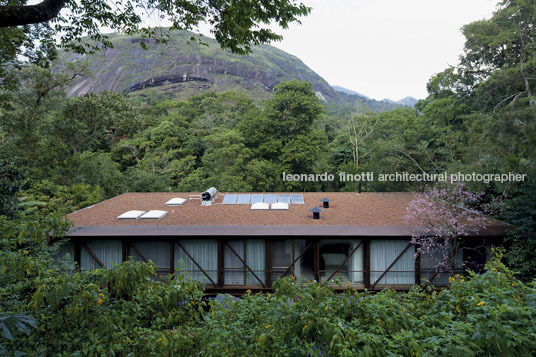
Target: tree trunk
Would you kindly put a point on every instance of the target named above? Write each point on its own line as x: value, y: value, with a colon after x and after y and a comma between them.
x: 33, y: 14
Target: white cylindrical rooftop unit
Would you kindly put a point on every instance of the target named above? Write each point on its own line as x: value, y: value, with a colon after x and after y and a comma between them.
x: 209, y: 194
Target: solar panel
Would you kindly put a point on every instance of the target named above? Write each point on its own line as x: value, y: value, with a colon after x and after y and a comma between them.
x: 256, y: 199
x: 297, y: 199
x: 270, y: 198
x: 283, y: 198
x: 242, y: 200
x: 229, y: 199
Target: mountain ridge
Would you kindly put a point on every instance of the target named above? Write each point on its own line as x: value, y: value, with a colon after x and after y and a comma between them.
x: 406, y: 101
x: 181, y: 68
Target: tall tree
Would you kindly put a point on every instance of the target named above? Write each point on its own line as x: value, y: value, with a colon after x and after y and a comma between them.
x: 285, y: 131
x: 237, y: 24
x: 504, y: 42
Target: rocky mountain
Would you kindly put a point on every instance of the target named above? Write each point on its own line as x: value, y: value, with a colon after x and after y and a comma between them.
x: 407, y: 101
x: 183, y: 67
x: 348, y: 91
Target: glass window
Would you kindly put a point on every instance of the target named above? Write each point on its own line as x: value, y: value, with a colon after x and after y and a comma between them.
x: 65, y: 247
x: 304, y: 269
x: 383, y: 253
x: 284, y: 252
x: 205, y: 254
x: 256, y: 260
x: 107, y: 251
x: 155, y: 251
x: 282, y: 257
x: 429, y: 263
x: 252, y: 252
x: 334, y: 252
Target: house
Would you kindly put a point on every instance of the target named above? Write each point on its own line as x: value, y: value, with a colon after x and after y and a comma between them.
x: 360, y: 239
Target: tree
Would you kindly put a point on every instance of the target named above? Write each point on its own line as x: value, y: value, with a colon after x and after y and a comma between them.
x: 93, y: 121
x: 11, y: 182
x: 237, y: 24
x: 359, y: 129
x: 520, y: 212
x: 506, y: 41
x: 284, y: 133
x: 443, y: 217
x: 24, y: 113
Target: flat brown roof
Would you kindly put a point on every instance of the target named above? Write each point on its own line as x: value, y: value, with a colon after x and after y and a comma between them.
x: 349, y: 214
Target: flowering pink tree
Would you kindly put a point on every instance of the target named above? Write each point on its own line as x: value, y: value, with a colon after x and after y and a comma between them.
x: 442, y: 218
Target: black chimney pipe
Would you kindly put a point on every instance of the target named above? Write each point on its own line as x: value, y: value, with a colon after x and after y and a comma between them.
x: 325, y: 202
x: 359, y: 187
x: 316, y: 212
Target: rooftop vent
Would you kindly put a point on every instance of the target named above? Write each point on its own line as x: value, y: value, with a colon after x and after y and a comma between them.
x: 325, y: 202
x: 131, y: 215
x: 154, y: 214
x: 209, y: 194
x: 316, y: 212
x: 260, y: 206
x: 177, y: 201
x: 280, y: 206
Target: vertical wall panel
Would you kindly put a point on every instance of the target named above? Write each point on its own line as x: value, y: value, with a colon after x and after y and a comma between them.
x: 204, y: 252
x: 255, y: 259
x: 108, y: 252
x: 234, y: 269
x: 383, y: 253
x: 155, y: 251
x: 429, y: 264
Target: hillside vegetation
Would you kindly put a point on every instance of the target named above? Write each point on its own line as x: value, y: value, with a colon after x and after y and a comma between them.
x: 60, y: 152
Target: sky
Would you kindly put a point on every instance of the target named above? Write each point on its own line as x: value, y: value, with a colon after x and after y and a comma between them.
x: 381, y: 48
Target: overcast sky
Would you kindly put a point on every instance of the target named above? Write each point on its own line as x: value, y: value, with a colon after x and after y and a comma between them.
x: 382, y: 48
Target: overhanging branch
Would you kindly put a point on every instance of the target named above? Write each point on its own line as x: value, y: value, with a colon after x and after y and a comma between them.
x: 32, y: 14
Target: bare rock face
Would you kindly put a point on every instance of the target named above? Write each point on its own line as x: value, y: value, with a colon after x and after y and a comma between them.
x: 185, y: 68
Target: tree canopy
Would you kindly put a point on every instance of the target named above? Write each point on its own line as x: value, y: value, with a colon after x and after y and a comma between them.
x: 236, y: 24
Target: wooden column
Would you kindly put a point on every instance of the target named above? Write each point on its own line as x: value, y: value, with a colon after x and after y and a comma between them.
x: 366, y: 263
x: 77, y: 252
x: 417, y: 267
x: 317, y: 260
x: 220, y: 263
x: 124, y: 250
x: 171, y: 256
x: 268, y: 268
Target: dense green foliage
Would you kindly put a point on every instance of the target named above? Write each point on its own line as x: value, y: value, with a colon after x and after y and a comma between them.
x: 58, y: 154
x: 479, y: 117
x: 237, y: 25
x: 128, y: 310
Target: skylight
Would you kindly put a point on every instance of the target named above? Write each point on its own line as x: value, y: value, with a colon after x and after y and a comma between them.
x: 177, y: 201
x: 260, y: 206
x: 131, y: 215
x: 280, y: 206
x: 154, y: 214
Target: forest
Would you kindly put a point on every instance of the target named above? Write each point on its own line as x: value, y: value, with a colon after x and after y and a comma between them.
x: 60, y: 153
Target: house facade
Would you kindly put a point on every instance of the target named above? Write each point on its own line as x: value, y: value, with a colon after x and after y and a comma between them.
x: 360, y: 239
